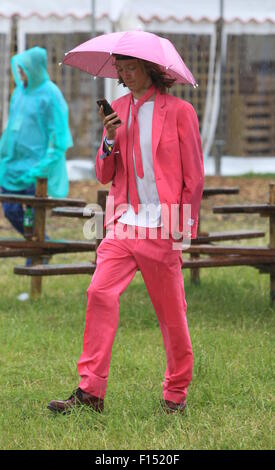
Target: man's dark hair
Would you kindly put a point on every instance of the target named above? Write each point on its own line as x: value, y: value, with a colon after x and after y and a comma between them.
x: 159, y: 77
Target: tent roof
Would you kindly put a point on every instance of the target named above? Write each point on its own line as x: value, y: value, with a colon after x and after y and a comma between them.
x: 200, y: 10
x: 147, y: 11
x: 60, y: 8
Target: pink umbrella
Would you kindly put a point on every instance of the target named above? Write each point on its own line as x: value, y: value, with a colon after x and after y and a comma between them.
x: 95, y: 56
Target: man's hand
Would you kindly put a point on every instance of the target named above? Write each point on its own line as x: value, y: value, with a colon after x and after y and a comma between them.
x: 109, y: 123
x: 26, y: 179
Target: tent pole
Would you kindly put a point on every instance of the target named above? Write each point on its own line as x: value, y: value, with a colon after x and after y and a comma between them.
x: 220, y: 137
x: 94, y: 115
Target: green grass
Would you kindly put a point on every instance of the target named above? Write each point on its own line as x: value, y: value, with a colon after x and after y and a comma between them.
x: 230, y: 399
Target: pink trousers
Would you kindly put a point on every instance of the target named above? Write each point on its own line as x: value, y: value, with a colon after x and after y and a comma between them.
x: 117, y: 262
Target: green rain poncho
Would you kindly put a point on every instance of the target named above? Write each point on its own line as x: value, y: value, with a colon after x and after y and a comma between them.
x: 37, y: 136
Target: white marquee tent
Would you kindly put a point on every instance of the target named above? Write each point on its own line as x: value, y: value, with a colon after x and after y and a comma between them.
x: 176, y: 16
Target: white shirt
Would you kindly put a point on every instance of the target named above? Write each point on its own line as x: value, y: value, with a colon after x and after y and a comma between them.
x: 149, y: 214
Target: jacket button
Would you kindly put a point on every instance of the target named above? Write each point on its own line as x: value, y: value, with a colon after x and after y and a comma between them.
x: 177, y: 235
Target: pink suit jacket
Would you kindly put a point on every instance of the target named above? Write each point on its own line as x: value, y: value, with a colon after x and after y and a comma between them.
x: 177, y: 160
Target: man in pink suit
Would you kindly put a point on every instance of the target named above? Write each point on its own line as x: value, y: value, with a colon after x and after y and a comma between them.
x: 153, y: 157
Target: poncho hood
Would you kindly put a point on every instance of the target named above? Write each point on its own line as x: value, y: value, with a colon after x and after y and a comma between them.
x: 34, y: 63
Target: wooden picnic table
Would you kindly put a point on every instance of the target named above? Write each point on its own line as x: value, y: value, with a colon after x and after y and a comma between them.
x: 210, y: 237
x: 264, y: 210
x: 262, y: 258
x: 203, y: 237
x: 37, y: 247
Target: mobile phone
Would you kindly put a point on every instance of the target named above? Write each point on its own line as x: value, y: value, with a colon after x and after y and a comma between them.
x: 107, y: 108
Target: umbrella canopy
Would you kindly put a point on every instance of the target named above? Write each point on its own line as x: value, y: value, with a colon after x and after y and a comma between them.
x: 96, y: 55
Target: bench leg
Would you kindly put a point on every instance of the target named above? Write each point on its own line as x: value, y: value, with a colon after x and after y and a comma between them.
x: 102, y: 195
x: 195, y: 272
x: 36, y: 286
x: 39, y: 233
x: 272, y: 287
x: 272, y: 241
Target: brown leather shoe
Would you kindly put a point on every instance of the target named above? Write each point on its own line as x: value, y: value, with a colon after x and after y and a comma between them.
x: 78, y: 398
x: 171, y: 407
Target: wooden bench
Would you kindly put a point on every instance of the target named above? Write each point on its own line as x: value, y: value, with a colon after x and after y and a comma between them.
x: 56, y: 269
x: 19, y: 252
x: 263, y: 262
x: 210, y: 237
x: 264, y: 210
x: 205, y: 237
x: 214, y: 191
x: 80, y: 213
x: 262, y: 258
x: 35, y: 248
x: 49, y: 247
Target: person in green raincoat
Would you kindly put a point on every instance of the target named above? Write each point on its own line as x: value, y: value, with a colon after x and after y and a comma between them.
x: 37, y: 135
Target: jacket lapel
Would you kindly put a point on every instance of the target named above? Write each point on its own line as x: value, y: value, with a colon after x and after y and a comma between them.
x: 123, y: 112
x: 159, y: 114
x: 158, y: 120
